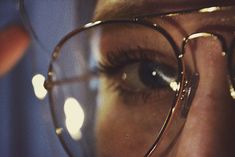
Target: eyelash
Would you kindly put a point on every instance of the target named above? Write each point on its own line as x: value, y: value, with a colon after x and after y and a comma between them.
x: 115, y: 61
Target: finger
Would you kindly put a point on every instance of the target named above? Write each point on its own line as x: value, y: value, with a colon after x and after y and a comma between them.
x: 14, y: 41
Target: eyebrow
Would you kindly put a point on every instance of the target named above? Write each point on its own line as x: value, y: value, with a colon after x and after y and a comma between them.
x: 125, y: 10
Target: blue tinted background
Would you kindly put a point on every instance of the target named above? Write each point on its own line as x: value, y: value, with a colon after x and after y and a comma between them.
x: 26, y: 128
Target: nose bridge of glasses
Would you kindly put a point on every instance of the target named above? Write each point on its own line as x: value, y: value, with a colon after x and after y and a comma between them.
x: 188, y: 94
x: 206, y: 54
x: 205, y: 44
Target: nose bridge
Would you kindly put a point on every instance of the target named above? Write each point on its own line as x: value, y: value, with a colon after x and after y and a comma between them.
x: 210, y: 122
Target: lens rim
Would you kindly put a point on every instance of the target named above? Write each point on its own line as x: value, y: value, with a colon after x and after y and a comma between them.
x: 50, y: 82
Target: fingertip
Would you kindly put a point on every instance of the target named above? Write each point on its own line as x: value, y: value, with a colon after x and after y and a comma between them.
x: 14, y: 41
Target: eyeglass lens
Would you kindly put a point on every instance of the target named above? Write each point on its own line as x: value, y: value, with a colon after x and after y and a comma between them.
x: 115, y: 84
x: 127, y: 81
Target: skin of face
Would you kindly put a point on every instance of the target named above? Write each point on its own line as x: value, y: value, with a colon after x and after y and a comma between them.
x: 209, y: 130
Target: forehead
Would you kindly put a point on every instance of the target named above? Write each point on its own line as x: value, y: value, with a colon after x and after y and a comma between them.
x: 107, y: 9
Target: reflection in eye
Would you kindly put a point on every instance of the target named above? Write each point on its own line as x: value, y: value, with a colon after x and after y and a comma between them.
x: 138, y: 73
x: 153, y: 74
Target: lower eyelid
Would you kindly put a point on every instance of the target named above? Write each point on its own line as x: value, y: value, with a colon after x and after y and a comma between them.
x: 142, y: 96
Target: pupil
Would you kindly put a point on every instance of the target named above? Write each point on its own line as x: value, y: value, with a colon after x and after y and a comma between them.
x: 149, y: 74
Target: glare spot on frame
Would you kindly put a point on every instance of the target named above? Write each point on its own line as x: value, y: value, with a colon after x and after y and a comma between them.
x: 208, y: 10
x: 174, y: 86
x: 232, y: 92
x: 92, y: 24
x: 59, y: 131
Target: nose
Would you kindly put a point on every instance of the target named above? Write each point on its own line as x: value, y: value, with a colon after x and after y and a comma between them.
x: 209, y: 130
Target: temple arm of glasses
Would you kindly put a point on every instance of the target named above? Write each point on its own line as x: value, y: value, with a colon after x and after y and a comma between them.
x: 48, y: 84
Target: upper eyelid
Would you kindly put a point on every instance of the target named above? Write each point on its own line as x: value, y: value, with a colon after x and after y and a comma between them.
x: 114, y: 64
x: 129, y: 54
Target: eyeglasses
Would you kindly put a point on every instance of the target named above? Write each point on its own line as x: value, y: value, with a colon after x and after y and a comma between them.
x: 126, y: 85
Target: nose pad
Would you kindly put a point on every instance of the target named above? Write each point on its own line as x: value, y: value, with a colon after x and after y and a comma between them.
x: 231, y: 61
x: 188, y: 94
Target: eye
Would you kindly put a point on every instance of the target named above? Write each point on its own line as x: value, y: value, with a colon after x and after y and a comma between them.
x: 146, y: 75
x: 139, y: 74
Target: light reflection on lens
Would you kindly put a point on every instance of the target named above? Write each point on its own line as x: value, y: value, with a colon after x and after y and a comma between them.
x: 74, y: 117
x: 39, y: 90
x: 174, y: 86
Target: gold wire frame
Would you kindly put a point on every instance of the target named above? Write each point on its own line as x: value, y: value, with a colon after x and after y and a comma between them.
x: 185, y: 91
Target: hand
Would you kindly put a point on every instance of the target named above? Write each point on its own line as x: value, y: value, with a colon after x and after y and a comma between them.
x: 14, y: 41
